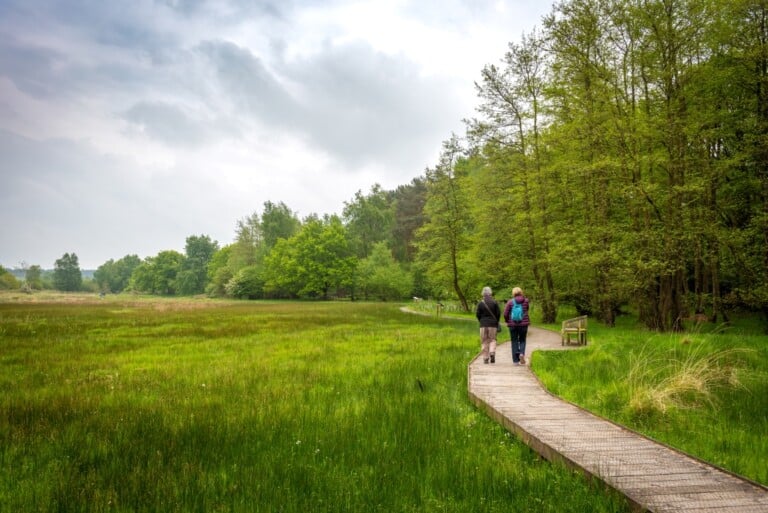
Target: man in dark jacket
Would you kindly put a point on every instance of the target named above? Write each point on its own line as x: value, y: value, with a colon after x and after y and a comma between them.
x: 488, y: 314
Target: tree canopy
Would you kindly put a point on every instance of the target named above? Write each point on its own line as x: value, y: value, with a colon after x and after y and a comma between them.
x: 66, y: 273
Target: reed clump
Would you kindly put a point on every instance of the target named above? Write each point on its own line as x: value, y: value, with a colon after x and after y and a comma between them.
x: 658, y: 383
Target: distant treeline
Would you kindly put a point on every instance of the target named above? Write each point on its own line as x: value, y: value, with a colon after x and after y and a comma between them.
x: 619, y: 159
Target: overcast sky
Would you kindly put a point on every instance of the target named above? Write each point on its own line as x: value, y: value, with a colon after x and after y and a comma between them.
x: 127, y: 126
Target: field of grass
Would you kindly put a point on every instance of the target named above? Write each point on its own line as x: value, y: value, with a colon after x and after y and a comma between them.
x: 705, y: 392
x: 156, y: 405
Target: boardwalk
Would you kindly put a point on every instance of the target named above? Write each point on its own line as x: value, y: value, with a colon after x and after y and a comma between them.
x: 652, y: 476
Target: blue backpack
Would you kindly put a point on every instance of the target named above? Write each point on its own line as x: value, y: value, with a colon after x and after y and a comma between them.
x: 517, y: 311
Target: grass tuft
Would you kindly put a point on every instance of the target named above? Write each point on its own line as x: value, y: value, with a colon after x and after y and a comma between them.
x: 658, y: 383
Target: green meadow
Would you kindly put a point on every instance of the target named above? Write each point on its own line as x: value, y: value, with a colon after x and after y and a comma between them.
x: 131, y: 404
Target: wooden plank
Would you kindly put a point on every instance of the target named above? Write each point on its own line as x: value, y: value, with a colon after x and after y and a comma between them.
x: 652, y: 476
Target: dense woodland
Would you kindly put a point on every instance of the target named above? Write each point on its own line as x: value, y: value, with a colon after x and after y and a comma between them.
x: 618, y: 158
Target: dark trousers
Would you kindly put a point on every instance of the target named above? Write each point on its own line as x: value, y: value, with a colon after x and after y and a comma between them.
x: 518, y: 334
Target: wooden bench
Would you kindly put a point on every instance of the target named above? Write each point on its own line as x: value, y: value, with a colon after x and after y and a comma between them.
x: 576, y: 326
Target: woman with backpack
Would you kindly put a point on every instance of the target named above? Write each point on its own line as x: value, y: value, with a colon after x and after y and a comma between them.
x: 516, y: 315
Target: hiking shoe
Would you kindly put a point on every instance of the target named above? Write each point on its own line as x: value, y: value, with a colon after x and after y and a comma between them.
x: 493, y: 358
x: 522, y: 359
x: 485, y: 360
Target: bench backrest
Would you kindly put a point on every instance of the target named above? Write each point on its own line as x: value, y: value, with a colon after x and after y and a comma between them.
x: 577, y: 322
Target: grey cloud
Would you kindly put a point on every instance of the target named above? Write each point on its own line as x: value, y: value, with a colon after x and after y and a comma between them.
x: 228, y: 10
x: 355, y: 104
x: 61, y: 196
x: 166, y: 123
x: 30, y: 68
x: 247, y: 82
x: 369, y: 107
x: 87, y: 50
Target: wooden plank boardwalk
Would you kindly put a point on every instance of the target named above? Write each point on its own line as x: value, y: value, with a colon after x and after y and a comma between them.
x: 652, y: 476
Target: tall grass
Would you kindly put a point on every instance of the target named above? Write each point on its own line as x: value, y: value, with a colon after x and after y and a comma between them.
x: 136, y: 405
x: 705, y: 393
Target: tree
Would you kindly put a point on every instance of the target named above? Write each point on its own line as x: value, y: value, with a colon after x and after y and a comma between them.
x: 382, y: 277
x: 247, y: 242
x: 114, y: 276
x: 283, y: 271
x: 588, y: 101
x: 157, y: 275
x: 277, y: 222
x: 247, y: 283
x: 193, y: 275
x: 219, y: 272
x: 33, y: 276
x: 408, y: 206
x: 369, y: 219
x: 444, y: 238
x: 7, y: 280
x: 66, y: 273
x: 256, y: 236
x: 314, y: 263
x: 510, y: 139
x: 742, y: 208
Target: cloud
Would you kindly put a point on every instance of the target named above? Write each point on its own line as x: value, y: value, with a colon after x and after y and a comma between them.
x: 166, y: 123
x: 246, y: 83
x: 368, y: 107
x: 73, y: 198
x: 126, y: 127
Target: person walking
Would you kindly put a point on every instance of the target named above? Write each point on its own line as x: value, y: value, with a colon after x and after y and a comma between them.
x: 516, y: 317
x: 488, y: 314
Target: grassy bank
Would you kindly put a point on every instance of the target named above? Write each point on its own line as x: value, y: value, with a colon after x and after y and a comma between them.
x: 705, y: 392
x: 196, y: 405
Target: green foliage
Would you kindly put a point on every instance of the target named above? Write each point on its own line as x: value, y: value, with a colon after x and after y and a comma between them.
x: 66, y: 273
x: 7, y: 280
x: 317, y: 262
x: 193, y: 275
x: 157, y: 275
x: 114, y: 276
x: 33, y: 277
x: 605, y: 169
x: 277, y: 222
x: 381, y: 277
x: 247, y: 283
x: 444, y: 239
x: 408, y: 217
x: 219, y: 271
x: 199, y: 405
x: 239, y: 269
x: 368, y: 220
